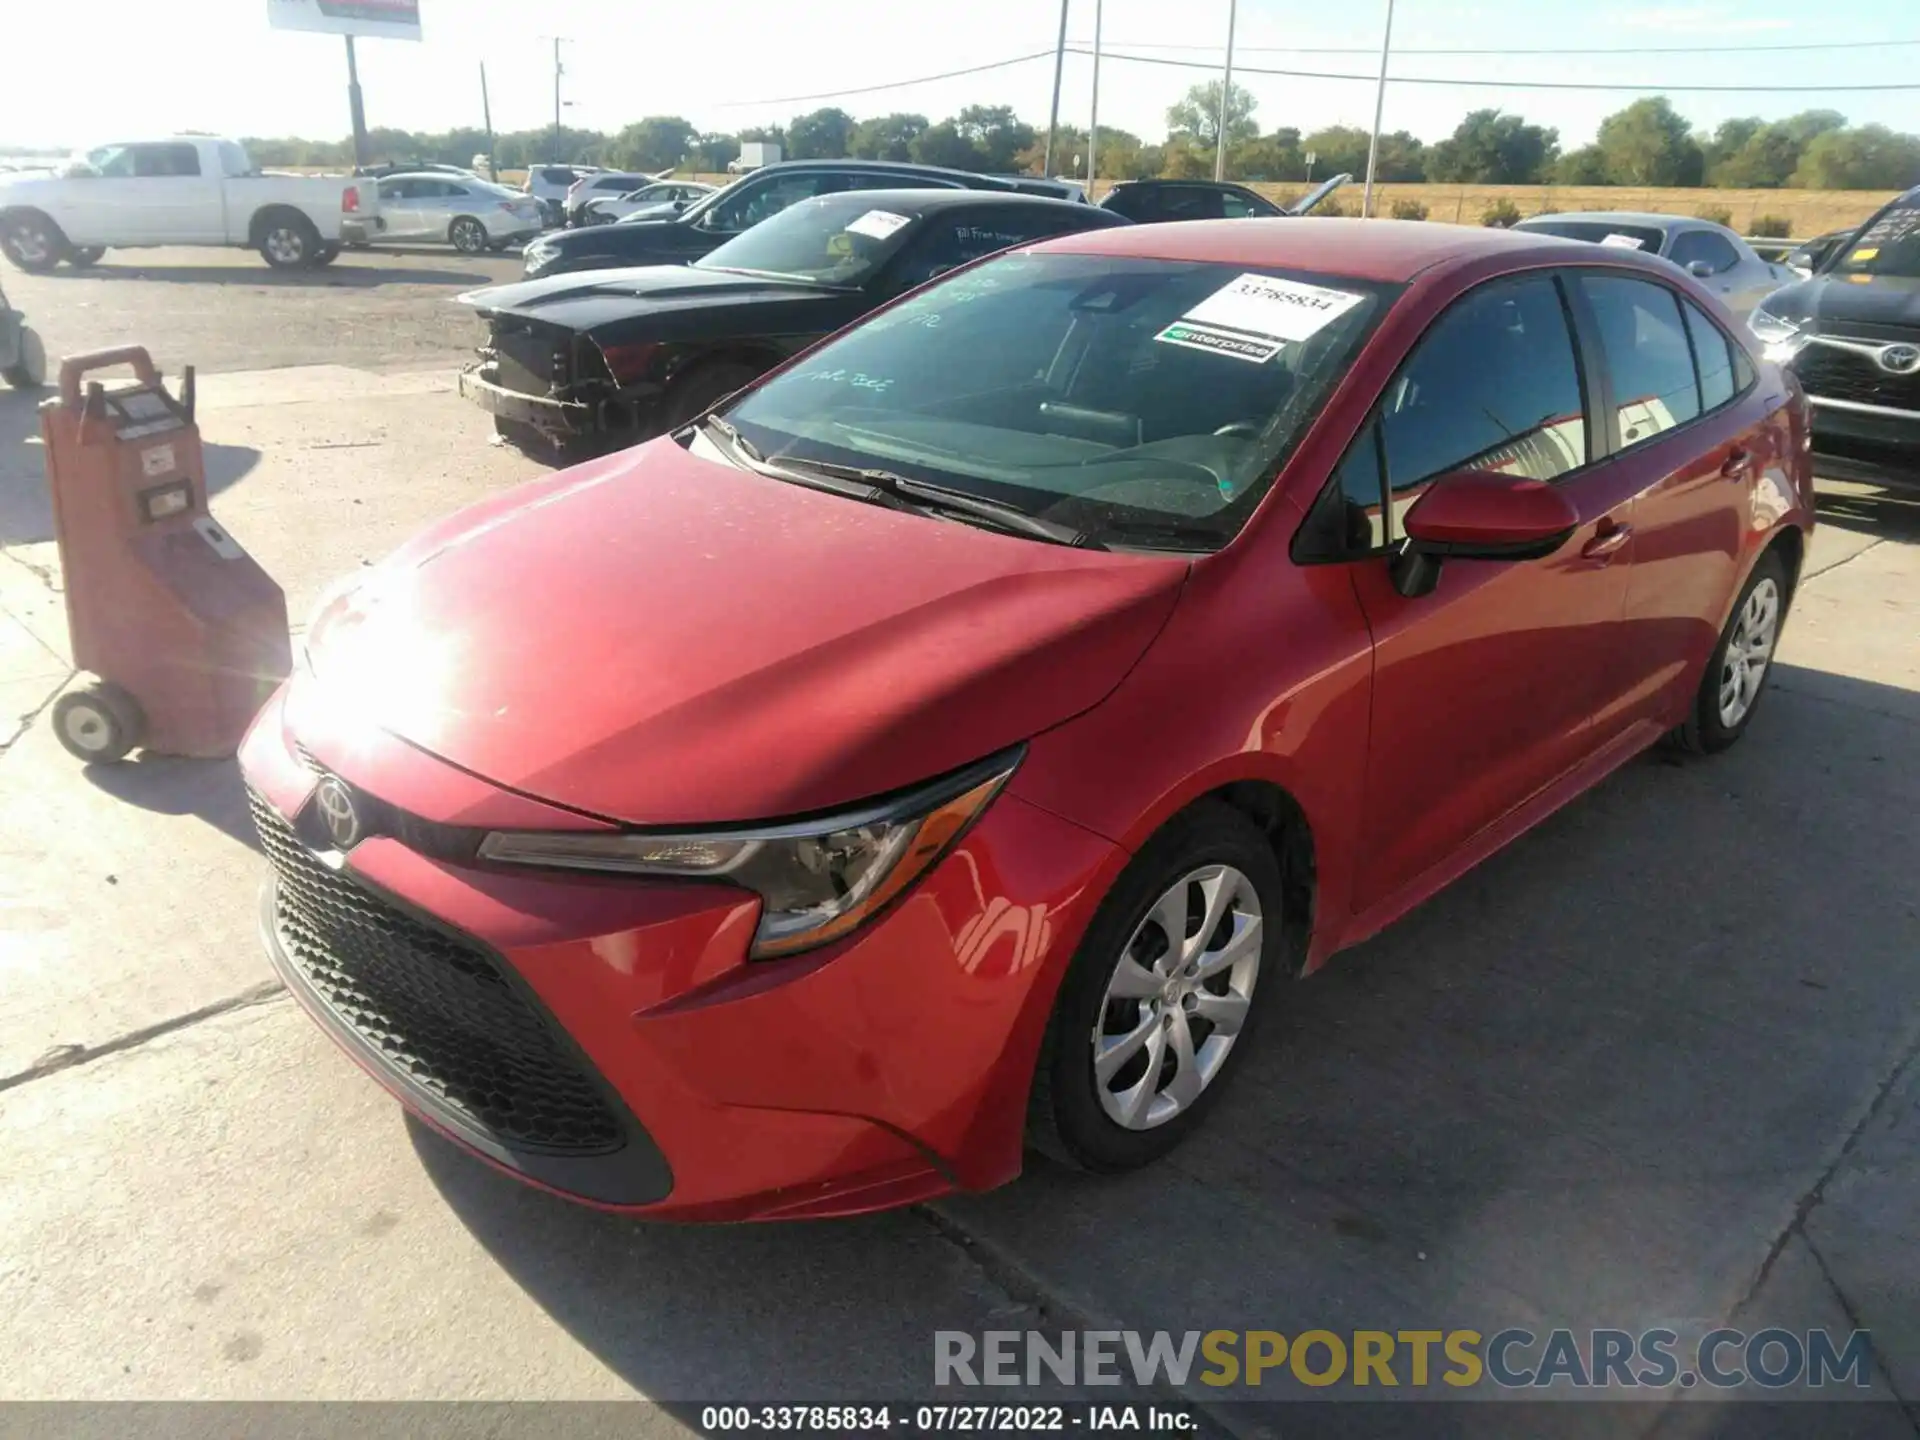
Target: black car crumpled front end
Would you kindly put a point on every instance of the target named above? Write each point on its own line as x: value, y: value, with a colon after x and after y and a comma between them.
x: 546, y: 383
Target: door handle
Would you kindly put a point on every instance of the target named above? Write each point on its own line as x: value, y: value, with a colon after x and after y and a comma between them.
x: 1606, y: 542
x: 1736, y: 465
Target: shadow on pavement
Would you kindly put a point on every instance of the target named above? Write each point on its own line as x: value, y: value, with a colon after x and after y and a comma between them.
x: 208, y: 789
x: 344, y: 273
x: 26, y: 508
x: 1885, y: 510
x: 827, y: 1311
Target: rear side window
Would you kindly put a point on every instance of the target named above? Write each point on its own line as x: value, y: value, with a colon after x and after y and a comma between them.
x: 1707, y: 245
x: 1648, y: 355
x: 165, y: 161
x: 1494, y: 385
x: 1135, y: 203
x: 1239, y: 207
x: 554, y: 175
x: 1712, y: 356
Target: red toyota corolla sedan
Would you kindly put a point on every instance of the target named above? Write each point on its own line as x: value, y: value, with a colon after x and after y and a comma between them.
x: 966, y: 734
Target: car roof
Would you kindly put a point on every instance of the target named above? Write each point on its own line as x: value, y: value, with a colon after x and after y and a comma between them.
x: 893, y: 167
x: 1387, y: 250
x: 452, y: 175
x: 1647, y: 218
x: 1153, y: 181
x: 927, y: 202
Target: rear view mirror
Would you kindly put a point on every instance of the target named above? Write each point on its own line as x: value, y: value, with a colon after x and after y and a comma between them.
x: 1480, y: 515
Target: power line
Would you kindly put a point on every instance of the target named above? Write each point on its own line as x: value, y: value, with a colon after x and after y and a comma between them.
x: 1505, y: 84
x: 1546, y: 50
x: 900, y: 84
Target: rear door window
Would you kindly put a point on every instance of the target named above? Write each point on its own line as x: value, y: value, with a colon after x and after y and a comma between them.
x: 1235, y: 206
x: 165, y: 161
x: 1648, y: 355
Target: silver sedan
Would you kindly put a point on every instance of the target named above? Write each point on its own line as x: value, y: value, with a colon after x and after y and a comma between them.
x: 471, y: 215
x: 1711, y: 253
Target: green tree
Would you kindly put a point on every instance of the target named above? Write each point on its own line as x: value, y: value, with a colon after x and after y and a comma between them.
x: 943, y: 144
x: 710, y: 154
x: 1866, y: 157
x: 823, y: 135
x: 659, y: 142
x: 1650, y: 143
x: 1729, y: 139
x: 1402, y: 158
x: 1337, y: 148
x: 887, y: 137
x: 1765, y: 161
x: 1810, y: 123
x: 1197, y: 117
x: 1585, y: 166
x: 766, y: 134
x: 1268, y: 157
x: 1493, y: 148
x: 996, y: 134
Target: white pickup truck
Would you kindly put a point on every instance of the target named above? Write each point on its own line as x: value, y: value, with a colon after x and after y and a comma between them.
x: 185, y: 190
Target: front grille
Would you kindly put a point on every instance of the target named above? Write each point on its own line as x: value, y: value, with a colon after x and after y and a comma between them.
x: 1831, y: 373
x: 437, y: 1008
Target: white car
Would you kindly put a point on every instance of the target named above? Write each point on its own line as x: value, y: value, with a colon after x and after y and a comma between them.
x: 184, y: 190
x: 655, y: 201
x: 470, y: 215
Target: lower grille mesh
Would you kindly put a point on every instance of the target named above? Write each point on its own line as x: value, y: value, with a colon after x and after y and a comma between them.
x: 436, y: 1008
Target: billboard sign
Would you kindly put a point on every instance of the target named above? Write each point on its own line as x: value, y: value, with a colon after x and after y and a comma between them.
x: 382, y: 19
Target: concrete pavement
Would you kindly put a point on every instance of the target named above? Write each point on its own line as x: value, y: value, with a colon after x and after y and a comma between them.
x: 1656, y: 1063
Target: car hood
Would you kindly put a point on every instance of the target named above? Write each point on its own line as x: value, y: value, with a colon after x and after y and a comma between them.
x: 1841, y: 300
x: 663, y: 639
x: 630, y: 240
x: 580, y: 300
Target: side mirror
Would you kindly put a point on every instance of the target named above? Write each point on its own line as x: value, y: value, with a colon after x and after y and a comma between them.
x: 1699, y: 269
x: 1480, y: 515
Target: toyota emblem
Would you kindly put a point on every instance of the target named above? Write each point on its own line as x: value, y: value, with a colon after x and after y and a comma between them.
x: 337, y: 813
x: 1900, y: 359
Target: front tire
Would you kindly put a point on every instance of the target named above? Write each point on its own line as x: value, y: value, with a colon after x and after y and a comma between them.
x: 98, y: 723
x: 1161, y: 997
x: 468, y: 236
x: 1736, y: 673
x: 32, y: 242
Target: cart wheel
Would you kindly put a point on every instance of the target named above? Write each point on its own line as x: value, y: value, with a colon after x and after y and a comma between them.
x: 98, y: 723
x: 29, y: 369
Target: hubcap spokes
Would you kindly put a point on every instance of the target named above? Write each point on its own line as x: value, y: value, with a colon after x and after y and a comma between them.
x: 1178, y: 997
x: 1749, y: 651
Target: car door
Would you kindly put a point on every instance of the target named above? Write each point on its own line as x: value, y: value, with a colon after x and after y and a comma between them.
x: 109, y: 204
x: 400, y: 209
x: 1692, y: 437
x: 184, y: 201
x: 1712, y: 259
x: 1484, y: 689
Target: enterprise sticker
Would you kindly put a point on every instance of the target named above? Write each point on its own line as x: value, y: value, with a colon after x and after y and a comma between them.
x: 1220, y: 342
x: 878, y: 223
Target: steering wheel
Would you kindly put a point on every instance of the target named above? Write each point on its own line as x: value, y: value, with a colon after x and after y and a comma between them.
x: 1241, y: 429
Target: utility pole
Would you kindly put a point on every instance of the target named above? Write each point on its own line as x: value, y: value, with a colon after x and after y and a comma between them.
x: 486, y: 118
x: 1059, y: 63
x: 1093, y: 120
x: 1226, y: 93
x: 559, y: 69
x: 355, y: 108
x: 1379, y: 104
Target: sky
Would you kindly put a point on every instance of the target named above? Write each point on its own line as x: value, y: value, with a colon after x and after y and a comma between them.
x: 136, y: 69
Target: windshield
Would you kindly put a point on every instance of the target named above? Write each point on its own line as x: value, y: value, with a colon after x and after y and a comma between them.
x: 1107, y: 393
x: 1889, y: 245
x: 830, y: 240
x: 1600, y: 232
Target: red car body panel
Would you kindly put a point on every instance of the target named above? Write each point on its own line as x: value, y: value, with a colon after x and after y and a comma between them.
x: 657, y: 639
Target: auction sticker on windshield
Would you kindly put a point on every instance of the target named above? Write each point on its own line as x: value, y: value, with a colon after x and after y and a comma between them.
x: 878, y: 223
x: 1253, y: 316
x: 1624, y: 242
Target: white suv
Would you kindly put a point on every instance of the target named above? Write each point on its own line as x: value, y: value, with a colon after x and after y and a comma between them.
x: 549, y: 185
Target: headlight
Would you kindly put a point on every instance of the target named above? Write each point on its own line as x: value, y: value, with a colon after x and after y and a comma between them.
x: 817, y: 879
x: 1782, y: 339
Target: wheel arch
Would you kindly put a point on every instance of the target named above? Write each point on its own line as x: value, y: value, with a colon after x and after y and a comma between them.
x: 275, y: 210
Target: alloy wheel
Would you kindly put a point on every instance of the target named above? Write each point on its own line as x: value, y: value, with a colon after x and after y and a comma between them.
x: 1178, y: 997
x: 285, y: 245
x: 1743, y: 666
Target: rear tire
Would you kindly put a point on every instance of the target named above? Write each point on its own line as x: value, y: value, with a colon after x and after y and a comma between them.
x: 325, y: 255
x: 705, y: 388
x: 32, y: 242
x: 288, y: 241
x: 1142, y: 1008
x: 1736, y: 675
x: 29, y: 370
x: 468, y: 236
x: 98, y: 723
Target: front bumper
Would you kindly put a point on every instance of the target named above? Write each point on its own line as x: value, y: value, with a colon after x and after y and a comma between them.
x: 1866, y: 442
x: 563, y: 417
x: 881, y: 1071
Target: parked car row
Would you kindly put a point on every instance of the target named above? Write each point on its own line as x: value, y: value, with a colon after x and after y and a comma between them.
x: 960, y: 732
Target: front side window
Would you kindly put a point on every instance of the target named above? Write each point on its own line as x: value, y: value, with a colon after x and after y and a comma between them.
x: 1888, y: 245
x: 115, y: 162
x: 1493, y: 386
x: 1648, y: 357
x: 1123, y: 396
x: 752, y: 203
x: 1235, y: 206
x: 1715, y: 249
x: 233, y: 160
x: 165, y: 161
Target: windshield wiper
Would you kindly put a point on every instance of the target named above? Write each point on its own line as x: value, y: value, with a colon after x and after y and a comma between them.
x: 939, y: 497
x: 733, y: 438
